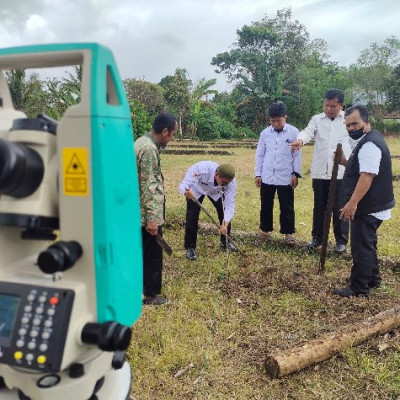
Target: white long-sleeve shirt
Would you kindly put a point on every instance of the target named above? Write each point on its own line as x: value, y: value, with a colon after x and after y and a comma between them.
x: 275, y: 160
x: 326, y: 135
x: 200, y: 178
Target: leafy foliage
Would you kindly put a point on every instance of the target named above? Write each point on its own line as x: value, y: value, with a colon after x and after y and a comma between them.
x: 51, y: 96
x: 262, y: 61
x: 141, y: 119
x: 373, y: 71
x: 393, y: 91
x: 177, y: 94
x: 149, y: 94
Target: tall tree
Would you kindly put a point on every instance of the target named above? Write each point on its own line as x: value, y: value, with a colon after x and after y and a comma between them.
x: 149, y: 94
x: 305, y: 88
x: 262, y: 59
x: 27, y: 92
x: 199, y: 98
x: 394, y: 90
x: 177, y: 94
x: 372, y: 72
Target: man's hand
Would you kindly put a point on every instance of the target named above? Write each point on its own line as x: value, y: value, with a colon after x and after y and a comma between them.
x: 348, y: 211
x: 189, y: 194
x: 223, y: 229
x: 152, y: 228
x: 296, y: 145
x: 294, y: 181
x: 257, y: 181
x: 364, y: 183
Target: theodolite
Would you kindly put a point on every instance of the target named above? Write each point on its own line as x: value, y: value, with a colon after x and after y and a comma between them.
x: 67, y: 304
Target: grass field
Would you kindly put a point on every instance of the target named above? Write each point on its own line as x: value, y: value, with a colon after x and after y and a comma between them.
x: 227, y: 313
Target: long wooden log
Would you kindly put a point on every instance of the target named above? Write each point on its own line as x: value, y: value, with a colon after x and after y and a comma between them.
x: 321, y: 349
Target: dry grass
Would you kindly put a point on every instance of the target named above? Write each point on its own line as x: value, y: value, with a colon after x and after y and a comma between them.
x: 227, y: 313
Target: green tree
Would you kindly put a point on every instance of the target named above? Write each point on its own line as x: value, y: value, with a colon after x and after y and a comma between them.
x: 27, y: 92
x: 394, y: 90
x: 177, y: 94
x: 261, y: 61
x: 141, y: 119
x: 199, y: 99
x: 305, y: 88
x: 149, y: 94
x: 372, y: 72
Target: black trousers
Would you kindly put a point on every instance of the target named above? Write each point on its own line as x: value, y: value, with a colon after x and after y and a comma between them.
x: 365, y: 270
x: 321, y: 193
x: 286, y: 205
x: 152, y: 264
x: 192, y: 220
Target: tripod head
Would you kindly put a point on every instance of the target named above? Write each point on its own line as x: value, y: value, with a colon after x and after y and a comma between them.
x: 66, y: 308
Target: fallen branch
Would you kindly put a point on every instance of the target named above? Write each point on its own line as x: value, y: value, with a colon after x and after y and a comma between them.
x: 321, y: 349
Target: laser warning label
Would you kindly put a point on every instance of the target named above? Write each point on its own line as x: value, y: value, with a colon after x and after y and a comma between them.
x: 75, y: 171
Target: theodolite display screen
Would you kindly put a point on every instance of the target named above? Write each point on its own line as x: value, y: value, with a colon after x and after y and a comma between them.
x: 8, y: 312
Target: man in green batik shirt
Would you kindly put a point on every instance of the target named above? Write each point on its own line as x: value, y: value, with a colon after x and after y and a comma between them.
x: 151, y: 188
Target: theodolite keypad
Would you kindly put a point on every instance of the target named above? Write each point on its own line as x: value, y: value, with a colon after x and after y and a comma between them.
x: 36, y: 320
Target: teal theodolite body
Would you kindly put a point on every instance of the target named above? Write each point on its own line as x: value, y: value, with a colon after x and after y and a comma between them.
x: 66, y: 309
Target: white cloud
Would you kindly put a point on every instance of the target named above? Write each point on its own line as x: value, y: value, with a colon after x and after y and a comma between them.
x: 151, y: 38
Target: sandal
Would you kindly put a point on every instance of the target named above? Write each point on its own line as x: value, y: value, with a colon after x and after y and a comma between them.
x: 289, y: 240
x: 262, y: 238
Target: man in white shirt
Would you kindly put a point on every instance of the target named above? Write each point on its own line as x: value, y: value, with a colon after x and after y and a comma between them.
x: 327, y: 130
x: 277, y: 169
x: 367, y: 195
x: 217, y: 182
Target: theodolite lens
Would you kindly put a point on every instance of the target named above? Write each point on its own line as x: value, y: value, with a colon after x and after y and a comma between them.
x: 21, y: 169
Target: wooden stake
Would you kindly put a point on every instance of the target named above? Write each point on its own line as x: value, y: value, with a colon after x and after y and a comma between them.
x: 329, y: 208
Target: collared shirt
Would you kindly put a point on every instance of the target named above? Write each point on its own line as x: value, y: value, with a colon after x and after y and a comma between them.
x: 151, y: 182
x: 326, y: 135
x: 200, y: 178
x: 369, y: 158
x: 275, y: 160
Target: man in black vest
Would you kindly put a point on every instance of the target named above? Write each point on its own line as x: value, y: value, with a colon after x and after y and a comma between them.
x: 367, y: 195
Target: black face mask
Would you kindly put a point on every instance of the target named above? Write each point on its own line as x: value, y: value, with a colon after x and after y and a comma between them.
x: 355, y: 135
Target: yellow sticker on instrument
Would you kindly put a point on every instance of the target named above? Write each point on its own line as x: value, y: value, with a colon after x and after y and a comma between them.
x: 75, y: 171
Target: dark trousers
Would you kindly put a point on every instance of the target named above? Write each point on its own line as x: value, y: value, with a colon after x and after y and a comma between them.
x: 321, y: 193
x: 152, y: 264
x: 192, y: 220
x: 365, y: 271
x: 286, y: 205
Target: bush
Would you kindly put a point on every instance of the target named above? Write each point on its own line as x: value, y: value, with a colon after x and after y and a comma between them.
x: 386, y: 127
x: 141, y: 120
x: 206, y: 126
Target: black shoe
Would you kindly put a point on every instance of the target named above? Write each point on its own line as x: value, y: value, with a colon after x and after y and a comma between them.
x: 315, y: 242
x: 374, y: 285
x: 339, y: 248
x: 230, y: 246
x: 191, y: 254
x: 348, y: 292
x: 155, y: 301
x: 371, y: 285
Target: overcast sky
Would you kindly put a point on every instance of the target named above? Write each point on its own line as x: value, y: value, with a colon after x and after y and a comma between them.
x: 151, y: 38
